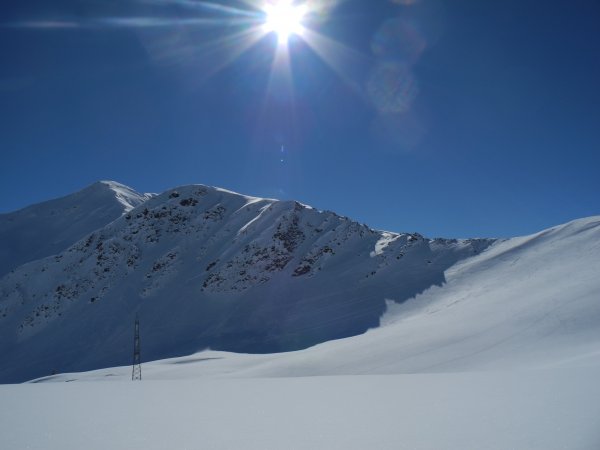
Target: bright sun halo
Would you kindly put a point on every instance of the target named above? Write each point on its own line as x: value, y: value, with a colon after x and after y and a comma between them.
x: 284, y: 18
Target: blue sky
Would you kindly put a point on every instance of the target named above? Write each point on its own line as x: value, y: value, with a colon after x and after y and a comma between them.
x: 450, y: 118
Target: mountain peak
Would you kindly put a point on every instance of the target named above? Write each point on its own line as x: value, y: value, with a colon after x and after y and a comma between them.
x: 49, y: 227
x: 129, y: 198
x: 205, y: 266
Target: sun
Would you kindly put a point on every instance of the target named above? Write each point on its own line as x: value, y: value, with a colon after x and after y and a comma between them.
x: 284, y: 18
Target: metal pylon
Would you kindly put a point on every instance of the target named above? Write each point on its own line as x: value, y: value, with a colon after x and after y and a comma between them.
x: 136, y: 372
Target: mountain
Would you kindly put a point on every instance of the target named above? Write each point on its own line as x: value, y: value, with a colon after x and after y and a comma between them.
x: 205, y: 267
x: 526, y: 303
x: 50, y: 227
x: 505, y: 354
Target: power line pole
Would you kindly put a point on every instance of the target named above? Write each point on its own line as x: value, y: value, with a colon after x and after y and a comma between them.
x: 136, y: 372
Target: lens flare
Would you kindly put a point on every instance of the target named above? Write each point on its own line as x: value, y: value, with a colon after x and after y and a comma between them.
x: 284, y: 18
x: 392, y: 88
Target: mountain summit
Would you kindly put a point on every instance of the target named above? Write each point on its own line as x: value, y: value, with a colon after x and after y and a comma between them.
x: 202, y: 267
x: 48, y: 228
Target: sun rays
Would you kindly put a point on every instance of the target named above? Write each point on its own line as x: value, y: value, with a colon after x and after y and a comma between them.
x: 242, y: 27
x: 202, y: 40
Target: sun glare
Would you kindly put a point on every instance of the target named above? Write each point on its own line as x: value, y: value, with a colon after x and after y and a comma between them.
x: 284, y: 18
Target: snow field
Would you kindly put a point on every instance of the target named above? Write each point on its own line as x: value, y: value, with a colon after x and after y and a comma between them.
x: 530, y: 410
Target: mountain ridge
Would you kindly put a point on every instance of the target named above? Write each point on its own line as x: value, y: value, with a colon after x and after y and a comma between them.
x: 207, y: 267
x: 46, y: 228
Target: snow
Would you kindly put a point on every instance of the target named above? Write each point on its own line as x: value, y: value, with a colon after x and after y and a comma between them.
x: 206, y: 267
x: 532, y: 410
x: 386, y: 239
x: 477, y: 345
x: 50, y: 227
x: 525, y: 304
x: 126, y: 196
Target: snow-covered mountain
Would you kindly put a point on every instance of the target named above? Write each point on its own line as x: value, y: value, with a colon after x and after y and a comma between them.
x: 48, y: 228
x: 204, y: 267
x: 505, y: 354
x: 526, y: 303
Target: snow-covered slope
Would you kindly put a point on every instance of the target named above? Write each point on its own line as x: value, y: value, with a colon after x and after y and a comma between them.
x: 206, y: 267
x: 482, y: 345
x: 524, y: 303
x: 504, y: 355
x: 532, y: 410
x: 50, y: 227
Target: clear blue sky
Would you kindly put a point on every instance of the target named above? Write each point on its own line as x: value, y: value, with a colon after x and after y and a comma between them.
x: 451, y: 118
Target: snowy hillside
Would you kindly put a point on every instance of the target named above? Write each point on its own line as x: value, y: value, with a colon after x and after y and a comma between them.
x: 473, y: 344
x: 529, y: 303
x: 205, y: 267
x: 504, y: 355
x: 50, y: 227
